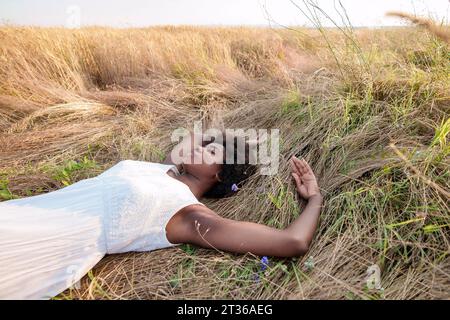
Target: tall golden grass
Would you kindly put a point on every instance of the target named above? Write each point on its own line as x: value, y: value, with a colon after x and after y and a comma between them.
x: 369, y: 110
x: 439, y: 31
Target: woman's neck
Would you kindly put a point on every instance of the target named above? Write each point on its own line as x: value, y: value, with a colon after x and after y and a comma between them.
x: 197, y: 186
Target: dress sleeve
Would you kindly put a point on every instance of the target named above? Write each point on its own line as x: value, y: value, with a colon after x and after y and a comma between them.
x: 169, y: 197
x: 182, y: 202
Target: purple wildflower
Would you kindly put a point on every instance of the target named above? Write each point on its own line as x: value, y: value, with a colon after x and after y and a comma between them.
x: 264, y: 263
x: 234, y: 187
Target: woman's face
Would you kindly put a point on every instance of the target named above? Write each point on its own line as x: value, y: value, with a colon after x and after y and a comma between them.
x: 205, y: 161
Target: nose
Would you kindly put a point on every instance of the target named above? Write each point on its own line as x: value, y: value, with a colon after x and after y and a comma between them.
x: 198, y: 149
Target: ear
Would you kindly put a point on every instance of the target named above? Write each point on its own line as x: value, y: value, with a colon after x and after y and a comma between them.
x: 217, y: 177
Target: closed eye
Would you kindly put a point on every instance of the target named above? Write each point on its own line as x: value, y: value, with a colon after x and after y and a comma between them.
x: 206, y: 142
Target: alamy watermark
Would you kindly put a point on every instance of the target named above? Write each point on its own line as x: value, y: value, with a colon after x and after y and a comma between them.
x: 253, y: 146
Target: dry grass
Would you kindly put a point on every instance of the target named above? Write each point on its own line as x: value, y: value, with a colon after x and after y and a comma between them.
x: 370, y: 113
x: 439, y: 31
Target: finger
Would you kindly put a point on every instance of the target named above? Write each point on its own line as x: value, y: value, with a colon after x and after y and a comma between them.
x: 301, y: 189
x: 295, y: 160
x: 306, y: 165
x: 292, y: 161
x: 294, y: 166
x: 297, y: 179
x: 301, y: 167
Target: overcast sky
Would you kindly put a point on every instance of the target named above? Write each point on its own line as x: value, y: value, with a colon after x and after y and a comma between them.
x: 139, y: 13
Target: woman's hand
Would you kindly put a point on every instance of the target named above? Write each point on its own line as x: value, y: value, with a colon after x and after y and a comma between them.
x: 304, y: 177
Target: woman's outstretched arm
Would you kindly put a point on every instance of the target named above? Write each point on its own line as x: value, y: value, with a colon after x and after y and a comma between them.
x: 201, y: 226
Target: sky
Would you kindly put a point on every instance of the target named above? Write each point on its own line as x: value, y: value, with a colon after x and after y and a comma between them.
x: 142, y: 13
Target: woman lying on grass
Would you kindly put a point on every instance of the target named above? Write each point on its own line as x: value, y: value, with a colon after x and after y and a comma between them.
x: 49, y: 241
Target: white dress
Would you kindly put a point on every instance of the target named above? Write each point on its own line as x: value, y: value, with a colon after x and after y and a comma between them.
x: 49, y: 241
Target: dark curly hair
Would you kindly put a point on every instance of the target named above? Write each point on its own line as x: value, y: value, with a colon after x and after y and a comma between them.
x: 231, y: 174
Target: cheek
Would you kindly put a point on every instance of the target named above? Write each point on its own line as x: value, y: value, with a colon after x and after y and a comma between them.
x: 217, y: 169
x: 218, y: 158
x: 211, y: 159
x: 211, y: 170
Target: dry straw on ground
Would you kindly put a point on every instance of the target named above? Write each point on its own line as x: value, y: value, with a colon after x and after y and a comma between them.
x: 368, y: 109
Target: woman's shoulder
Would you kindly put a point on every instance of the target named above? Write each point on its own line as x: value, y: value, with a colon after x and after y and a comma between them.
x: 130, y: 162
x: 144, y: 164
x: 129, y: 167
x: 181, y: 223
